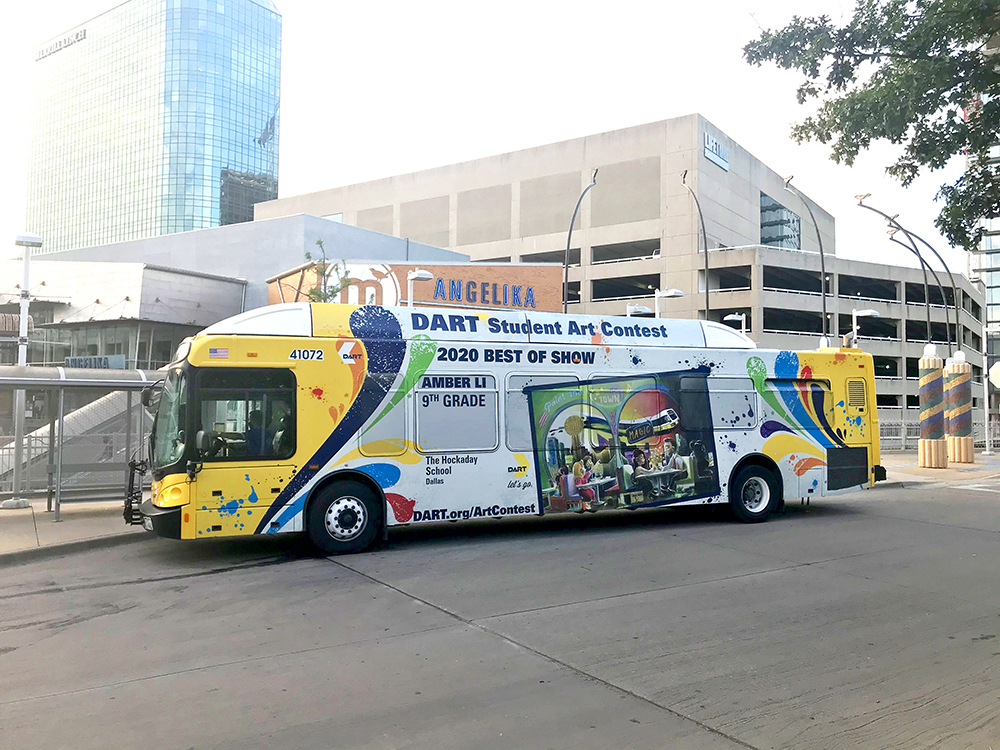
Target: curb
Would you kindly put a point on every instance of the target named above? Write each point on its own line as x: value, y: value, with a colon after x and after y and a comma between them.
x: 67, y: 548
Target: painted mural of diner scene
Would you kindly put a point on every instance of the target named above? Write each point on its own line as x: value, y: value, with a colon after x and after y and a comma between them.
x: 622, y: 443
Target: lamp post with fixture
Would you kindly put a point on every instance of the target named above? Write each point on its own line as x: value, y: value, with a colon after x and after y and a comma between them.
x: 27, y: 243
x: 855, y: 314
x: 825, y: 340
x: 569, y: 239
x: 704, y: 235
x: 664, y: 294
x: 417, y: 274
x: 742, y: 317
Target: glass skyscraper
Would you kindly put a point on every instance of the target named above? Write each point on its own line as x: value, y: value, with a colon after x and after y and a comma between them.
x: 155, y: 117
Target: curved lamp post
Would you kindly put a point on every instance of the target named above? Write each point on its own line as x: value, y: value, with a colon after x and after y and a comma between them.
x: 923, y: 264
x: 910, y: 235
x: 569, y: 238
x: 704, y: 236
x: 825, y: 341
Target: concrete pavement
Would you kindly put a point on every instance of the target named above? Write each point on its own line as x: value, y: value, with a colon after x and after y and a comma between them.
x: 31, y: 531
x: 866, y: 620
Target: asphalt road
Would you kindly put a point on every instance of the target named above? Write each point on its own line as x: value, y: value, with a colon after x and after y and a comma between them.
x: 868, y: 620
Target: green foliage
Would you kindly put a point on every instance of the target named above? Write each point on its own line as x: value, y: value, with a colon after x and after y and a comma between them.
x: 331, y: 278
x: 923, y: 75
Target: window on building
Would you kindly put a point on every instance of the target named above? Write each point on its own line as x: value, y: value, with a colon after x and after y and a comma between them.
x: 886, y: 400
x: 732, y: 278
x: 573, y: 292
x: 861, y: 287
x: 625, y: 287
x: 625, y: 251
x: 886, y: 367
x: 792, y: 321
x: 793, y: 280
x: 912, y: 402
x: 553, y: 256
x: 779, y: 227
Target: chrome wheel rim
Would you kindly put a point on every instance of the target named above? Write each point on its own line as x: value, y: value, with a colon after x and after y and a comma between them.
x: 755, y: 494
x: 346, y: 518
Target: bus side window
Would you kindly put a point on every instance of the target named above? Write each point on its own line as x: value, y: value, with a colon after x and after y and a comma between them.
x: 695, y: 404
x: 457, y: 413
x: 734, y: 404
x: 517, y: 418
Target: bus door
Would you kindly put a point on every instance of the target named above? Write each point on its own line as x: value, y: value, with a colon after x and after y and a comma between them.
x: 848, y: 465
x: 246, y: 424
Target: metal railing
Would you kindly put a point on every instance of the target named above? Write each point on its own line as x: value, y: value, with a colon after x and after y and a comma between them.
x: 78, y: 447
x: 893, y: 436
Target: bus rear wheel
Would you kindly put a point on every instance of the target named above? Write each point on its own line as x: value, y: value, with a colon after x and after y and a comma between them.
x: 343, y: 517
x: 754, y: 494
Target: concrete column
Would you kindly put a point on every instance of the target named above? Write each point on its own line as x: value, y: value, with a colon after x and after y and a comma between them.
x: 958, y: 405
x: 932, y: 450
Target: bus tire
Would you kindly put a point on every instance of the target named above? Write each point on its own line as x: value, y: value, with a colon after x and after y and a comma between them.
x: 344, y: 517
x: 754, y: 494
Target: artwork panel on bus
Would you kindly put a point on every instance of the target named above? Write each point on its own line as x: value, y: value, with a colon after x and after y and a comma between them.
x: 623, y: 442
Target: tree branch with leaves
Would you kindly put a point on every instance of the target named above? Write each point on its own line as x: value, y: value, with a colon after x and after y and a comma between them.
x: 331, y: 278
x: 923, y: 75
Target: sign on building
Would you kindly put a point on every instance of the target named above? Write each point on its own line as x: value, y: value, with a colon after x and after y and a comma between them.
x: 716, y: 151
x: 510, y: 286
x: 106, y: 362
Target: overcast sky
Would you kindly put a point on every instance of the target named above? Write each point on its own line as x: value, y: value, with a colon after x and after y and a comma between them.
x: 371, y: 89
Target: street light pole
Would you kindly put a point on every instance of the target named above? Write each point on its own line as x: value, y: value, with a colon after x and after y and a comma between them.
x: 742, y: 317
x: 569, y: 238
x: 986, y: 388
x: 27, y: 242
x: 825, y: 341
x: 704, y: 235
x: 855, y: 314
x: 417, y: 274
x: 667, y: 294
x: 923, y: 265
x: 954, y: 289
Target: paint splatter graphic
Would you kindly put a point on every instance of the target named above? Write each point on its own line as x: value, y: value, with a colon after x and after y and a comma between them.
x: 402, y: 508
x: 422, y: 351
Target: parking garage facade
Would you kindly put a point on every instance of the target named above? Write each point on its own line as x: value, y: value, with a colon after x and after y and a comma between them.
x: 638, y: 231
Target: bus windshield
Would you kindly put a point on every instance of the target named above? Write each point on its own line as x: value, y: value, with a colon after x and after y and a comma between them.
x: 168, y: 432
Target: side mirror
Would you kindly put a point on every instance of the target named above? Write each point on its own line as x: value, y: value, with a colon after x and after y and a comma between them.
x: 203, y: 441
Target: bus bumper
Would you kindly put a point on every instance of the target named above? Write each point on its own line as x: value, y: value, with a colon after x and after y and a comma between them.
x: 879, y: 473
x: 161, y: 521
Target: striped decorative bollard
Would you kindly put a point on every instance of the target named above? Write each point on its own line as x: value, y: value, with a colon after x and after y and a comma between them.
x: 958, y: 405
x: 932, y: 449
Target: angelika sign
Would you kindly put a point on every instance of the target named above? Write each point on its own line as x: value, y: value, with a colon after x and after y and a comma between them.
x: 485, y: 292
x: 512, y: 286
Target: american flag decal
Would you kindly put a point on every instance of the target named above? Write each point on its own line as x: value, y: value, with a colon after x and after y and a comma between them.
x: 218, y: 354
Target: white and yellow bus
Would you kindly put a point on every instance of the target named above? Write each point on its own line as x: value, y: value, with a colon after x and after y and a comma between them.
x: 342, y: 421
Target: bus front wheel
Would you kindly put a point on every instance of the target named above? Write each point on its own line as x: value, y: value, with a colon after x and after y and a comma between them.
x: 344, y: 517
x: 754, y: 494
